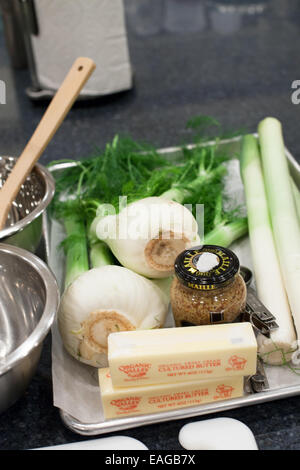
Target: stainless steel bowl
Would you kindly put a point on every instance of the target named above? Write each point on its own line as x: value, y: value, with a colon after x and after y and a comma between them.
x: 29, y: 300
x: 24, y: 223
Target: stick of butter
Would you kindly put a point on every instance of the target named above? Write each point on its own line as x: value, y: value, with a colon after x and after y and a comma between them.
x: 181, y: 354
x: 122, y: 402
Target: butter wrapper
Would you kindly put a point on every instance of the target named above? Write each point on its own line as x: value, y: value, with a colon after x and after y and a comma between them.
x: 181, y: 354
x: 122, y: 402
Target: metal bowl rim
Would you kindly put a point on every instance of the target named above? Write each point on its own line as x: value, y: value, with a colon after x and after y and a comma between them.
x: 50, y: 308
x: 37, y: 211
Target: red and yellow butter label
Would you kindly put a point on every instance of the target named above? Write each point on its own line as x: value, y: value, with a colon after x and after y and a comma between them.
x: 121, y: 402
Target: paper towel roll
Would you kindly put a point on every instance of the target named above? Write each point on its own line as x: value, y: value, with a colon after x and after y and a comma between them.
x: 94, y: 29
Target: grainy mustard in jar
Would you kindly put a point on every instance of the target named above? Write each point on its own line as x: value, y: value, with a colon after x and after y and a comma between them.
x: 207, y: 287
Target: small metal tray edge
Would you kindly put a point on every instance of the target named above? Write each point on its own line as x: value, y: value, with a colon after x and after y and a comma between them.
x: 112, y: 425
x: 109, y: 426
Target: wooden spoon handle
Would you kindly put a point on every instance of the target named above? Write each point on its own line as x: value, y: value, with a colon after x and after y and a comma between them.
x: 50, y: 122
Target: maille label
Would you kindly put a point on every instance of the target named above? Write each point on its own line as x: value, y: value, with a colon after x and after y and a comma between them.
x: 201, y: 286
x: 135, y: 370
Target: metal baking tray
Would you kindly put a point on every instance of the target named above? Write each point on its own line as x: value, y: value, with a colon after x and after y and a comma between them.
x: 282, y: 382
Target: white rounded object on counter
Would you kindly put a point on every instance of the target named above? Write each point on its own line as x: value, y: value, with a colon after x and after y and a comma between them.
x: 106, y: 443
x: 217, y: 434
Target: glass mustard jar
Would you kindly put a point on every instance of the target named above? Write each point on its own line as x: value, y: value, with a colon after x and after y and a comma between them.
x: 207, y: 287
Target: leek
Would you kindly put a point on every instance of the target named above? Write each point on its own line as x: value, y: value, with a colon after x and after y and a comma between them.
x: 269, y: 282
x: 296, y: 195
x: 282, y: 208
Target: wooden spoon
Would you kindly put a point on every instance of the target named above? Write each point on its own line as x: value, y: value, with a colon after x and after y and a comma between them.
x: 57, y: 110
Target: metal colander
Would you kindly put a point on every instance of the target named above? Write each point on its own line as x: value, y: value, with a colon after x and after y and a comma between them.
x: 34, y: 196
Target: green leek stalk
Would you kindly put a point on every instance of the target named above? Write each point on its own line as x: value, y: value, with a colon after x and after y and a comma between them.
x: 282, y: 208
x: 296, y: 194
x: 269, y: 281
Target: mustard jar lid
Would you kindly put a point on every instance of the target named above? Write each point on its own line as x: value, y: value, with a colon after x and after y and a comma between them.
x: 206, y: 268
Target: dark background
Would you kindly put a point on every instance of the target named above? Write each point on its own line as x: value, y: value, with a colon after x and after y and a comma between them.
x: 234, y: 60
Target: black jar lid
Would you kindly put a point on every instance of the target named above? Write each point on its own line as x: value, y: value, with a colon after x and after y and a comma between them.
x: 188, y: 273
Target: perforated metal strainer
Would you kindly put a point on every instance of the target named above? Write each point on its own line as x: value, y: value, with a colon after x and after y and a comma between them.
x: 24, y: 225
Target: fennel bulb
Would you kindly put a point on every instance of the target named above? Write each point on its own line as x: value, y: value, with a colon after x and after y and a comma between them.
x: 106, y: 300
x: 147, y: 235
x: 282, y: 208
x: 268, y: 278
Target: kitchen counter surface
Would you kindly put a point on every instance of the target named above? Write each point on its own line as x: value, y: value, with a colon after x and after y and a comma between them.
x: 233, y: 60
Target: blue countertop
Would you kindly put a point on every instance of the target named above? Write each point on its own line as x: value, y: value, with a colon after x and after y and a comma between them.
x: 234, y: 60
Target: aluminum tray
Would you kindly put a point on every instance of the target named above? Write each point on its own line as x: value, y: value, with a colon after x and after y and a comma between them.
x: 282, y: 381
